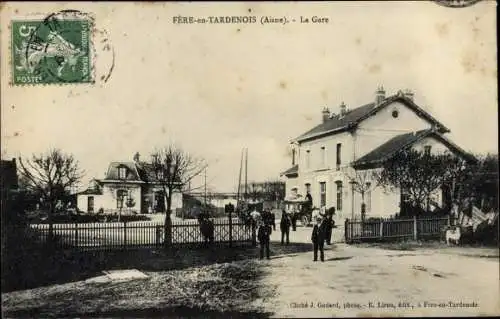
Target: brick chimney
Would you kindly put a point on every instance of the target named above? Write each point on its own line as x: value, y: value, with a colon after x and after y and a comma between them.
x: 409, y: 94
x: 379, y: 95
x: 343, y: 109
x: 326, y: 114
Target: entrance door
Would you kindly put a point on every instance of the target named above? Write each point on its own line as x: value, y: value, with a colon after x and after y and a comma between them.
x: 159, y: 206
x: 90, y: 204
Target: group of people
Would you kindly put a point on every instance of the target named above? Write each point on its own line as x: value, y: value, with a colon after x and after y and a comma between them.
x: 321, y: 232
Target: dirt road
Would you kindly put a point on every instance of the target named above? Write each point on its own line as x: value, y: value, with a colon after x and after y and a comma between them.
x: 376, y: 282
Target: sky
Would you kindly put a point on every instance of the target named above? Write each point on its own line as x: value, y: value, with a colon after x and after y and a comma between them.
x: 214, y: 89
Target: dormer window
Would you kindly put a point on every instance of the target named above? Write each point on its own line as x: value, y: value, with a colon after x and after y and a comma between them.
x: 160, y: 175
x: 427, y: 150
x: 122, y: 172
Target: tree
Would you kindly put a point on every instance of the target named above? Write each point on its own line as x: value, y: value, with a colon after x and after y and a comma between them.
x: 130, y: 203
x: 485, y: 182
x: 363, y: 181
x: 50, y: 175
x: 174, y: 169
x: 473, y: 182
x: 416, y: 174
x: 255, y: 191
x: 274, y: 190
x: 271, y: 190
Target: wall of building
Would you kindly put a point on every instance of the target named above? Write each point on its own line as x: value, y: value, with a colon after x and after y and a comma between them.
x: 108, y: 200
x: 437, y: 147
x: 330, y: 145
x: 382, y: 126
x: 370, y: 134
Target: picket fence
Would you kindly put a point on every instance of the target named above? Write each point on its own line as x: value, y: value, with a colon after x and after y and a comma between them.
x: 396, y: 229
x: 111, y: 236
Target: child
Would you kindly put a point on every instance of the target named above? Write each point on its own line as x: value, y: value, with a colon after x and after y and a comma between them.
x: 264, y: 236
x: 318, y: 239
x: 285, y: 227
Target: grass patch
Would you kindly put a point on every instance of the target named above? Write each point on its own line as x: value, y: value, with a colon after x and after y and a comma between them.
x: 226, y: 289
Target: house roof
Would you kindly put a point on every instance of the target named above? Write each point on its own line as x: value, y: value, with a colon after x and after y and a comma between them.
x: 294, y: 170
x: 402, y: 142
x: 90, y: 191
x: 146, y: 172
x: 131, y: 175
x: 137, y: 172
x: 354, y: 116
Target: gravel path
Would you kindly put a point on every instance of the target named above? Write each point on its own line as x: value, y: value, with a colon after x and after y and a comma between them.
x: 424, y: 282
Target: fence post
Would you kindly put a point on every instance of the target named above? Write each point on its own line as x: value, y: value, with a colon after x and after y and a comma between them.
x: 381, y: 228
x: 125, y: 234
x: 449, y: 220
x: 254, y: 236
x: 158, y: 234
x: 230, y: 229
x: 346, y: 228
x: 76, y: 234
x: 415, y: 235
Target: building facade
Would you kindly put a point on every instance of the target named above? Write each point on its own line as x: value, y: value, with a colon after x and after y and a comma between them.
x: 127, y: 187
x: 351, y: 145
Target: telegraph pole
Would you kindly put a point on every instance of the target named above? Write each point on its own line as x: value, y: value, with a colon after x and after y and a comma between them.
x: 205, y: 187
x: 246, y: 172
x: 239, y: 180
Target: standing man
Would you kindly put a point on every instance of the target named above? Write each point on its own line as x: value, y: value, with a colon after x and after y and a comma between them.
x: 285, y: 227
x: 264, y: 236
x: 294, y: 218
x: 309, y: 200
x: 330, y: 224
x: 318, y: 239
x: 273, y: 219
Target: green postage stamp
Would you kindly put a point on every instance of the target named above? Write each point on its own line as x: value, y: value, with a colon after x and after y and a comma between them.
x: 52, y: 50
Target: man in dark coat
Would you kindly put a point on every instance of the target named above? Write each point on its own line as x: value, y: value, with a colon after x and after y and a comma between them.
x: 329, y: 225
x: 285, y: 227
x: 309, y: 200
x: 269, y: 218
x: 273, y: 219
x: 264, y: 236
x: 318, y: 238
x: 293, y: 218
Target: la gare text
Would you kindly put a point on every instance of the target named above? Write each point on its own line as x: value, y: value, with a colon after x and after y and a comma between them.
x: 179, y: 19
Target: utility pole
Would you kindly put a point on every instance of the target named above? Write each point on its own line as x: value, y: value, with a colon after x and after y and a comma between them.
x: 239, y: 180
x: 205, y: 187
x: 246, y: 172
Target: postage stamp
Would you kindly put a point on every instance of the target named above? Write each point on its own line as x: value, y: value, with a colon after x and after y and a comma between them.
x: 457, y: 3
x: 52, y: 50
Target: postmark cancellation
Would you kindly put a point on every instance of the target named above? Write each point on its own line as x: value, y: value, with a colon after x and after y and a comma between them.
x: 55, y: 49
